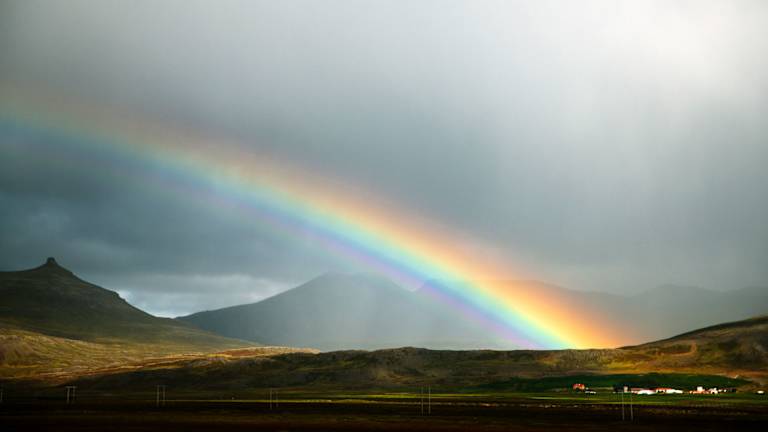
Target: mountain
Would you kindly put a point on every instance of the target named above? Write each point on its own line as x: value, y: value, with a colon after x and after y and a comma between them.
x: 49, y: 316
x: 338, y: 311
x: 729, y: 355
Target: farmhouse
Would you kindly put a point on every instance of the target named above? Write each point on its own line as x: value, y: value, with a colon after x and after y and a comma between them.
x: 646, y: 391
x: 702, y: 390
x: 667, y: 390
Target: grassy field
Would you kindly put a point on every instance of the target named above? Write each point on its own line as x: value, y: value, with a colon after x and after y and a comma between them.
x: 296, y: 409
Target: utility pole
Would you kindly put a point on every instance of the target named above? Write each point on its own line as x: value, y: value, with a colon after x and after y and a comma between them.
x: 270, y: 398
x: 429, y: 400
x: 71, y: 394
x: 622, y: 405
x: 421, y: 398
x: 631, y: 412
x: 160, y: 399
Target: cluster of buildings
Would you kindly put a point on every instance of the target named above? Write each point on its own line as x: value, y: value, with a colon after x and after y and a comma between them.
x: 669, y: 390
x: 580, y: 387
x: 713, y: 390
x: 657, y: 390
x: 646, y: 391
x: 583, y: 388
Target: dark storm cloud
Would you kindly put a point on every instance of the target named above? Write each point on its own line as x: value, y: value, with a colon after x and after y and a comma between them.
x: 128, y: 228
x: 605, y: 145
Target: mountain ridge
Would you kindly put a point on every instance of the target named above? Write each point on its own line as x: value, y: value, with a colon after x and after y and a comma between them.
x: 651, y: 315
x: 337, y: 311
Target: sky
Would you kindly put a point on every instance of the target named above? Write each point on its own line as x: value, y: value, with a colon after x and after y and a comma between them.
x: 608, y: 146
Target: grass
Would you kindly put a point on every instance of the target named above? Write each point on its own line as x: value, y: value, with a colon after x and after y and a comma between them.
x: 51, y: 359
x: 340, y: 409
x: 444, y: 397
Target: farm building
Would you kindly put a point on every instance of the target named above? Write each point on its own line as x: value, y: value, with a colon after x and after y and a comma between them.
x: 667, y: 390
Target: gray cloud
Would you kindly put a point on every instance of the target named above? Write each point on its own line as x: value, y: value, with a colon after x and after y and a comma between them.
x: 606, y: 145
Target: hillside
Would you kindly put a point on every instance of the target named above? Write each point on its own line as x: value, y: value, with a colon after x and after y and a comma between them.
x: 729, y: 355
x: 383, y: 315
x: 674, y: 309
x: 740, y: 346
x: 51, y: 319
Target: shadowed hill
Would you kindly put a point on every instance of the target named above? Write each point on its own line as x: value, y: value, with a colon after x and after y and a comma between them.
x: 51, y: 300
x: 339, y: 311
x: 49, y: 318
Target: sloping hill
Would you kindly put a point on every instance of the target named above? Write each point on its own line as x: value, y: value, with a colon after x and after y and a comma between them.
x: 672, y: 362
x: 674, y: 309
x: 740, y: 346
x: 338, y: 311
x: 50, y: 318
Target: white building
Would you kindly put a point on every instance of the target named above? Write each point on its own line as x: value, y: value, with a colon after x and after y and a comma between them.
x: 667, y: 390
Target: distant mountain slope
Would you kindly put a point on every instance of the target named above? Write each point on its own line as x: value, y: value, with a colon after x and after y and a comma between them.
x: 339, y: 311
x: 676, y: 309
x: 48, y: 311
x: 729, y: 353
x: 735, y: 346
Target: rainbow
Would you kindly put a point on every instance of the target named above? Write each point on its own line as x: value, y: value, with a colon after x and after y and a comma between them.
x: 411, y: 250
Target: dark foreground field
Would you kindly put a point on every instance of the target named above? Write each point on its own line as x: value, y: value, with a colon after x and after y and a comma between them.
x: 391, y: 412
